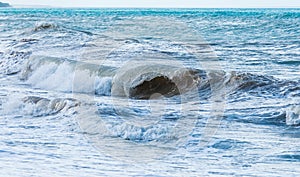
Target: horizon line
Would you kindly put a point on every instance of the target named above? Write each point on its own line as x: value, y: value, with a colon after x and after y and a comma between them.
x: 132, y: 7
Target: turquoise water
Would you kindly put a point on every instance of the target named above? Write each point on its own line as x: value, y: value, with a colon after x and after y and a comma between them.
x: 70, y: 78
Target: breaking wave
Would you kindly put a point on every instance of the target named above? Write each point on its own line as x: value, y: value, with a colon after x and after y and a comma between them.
x: 137, y: 81
x: 67, y: 75
x: 144, y: 80
x: 39, y: 106
x: 152, y: 80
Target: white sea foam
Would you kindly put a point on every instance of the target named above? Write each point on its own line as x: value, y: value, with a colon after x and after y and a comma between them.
x: 134, y: 133
x: 38, y: 106
x: 11, y: 61
x: 67, y: 76
x: 293, y: 115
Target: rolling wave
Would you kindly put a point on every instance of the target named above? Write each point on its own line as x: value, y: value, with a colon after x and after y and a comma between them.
x: 149, y: 79
x: 152, y: 80
x: 137, y: 81
x: 141, y: 80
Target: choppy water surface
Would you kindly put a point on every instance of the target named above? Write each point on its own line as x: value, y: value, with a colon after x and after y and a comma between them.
x: 149, y: 92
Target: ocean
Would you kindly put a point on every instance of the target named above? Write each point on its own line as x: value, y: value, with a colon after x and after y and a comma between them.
x: 149, y: 92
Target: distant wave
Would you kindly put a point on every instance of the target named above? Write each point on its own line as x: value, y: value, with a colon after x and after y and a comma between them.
x: 44, y: 26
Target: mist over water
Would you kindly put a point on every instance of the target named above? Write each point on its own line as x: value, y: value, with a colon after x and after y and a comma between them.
x: 137, y: 92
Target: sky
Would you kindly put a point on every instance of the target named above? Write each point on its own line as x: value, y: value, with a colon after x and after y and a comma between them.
x: 162, y: 3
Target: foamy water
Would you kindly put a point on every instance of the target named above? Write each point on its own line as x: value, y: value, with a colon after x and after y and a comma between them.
x: 149, y: 92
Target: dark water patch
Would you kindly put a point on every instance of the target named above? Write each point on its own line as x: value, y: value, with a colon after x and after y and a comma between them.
x: 34, y: 99
x: 173, y: 116
x: 221, y: 173
x: 258, y: 44
x: 251, y: 81
x: 228, y: 144
x: 29, y: 127
x: 288, y: 62
x: 290, y: 89
x: 154, y: 88
x: 265, y: 86
x: 28, y: 40
x: 254, y: 116
x: 4, y: 153
x: 291, y: 134
x: 290, y: 157
x: 131, y: 40
x: 107, y: 110
x: 80, y: 30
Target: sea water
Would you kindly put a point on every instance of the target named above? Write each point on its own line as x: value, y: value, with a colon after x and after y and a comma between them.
x: 59, y: 115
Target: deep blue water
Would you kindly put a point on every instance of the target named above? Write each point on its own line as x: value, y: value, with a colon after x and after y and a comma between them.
x: 61, y: 113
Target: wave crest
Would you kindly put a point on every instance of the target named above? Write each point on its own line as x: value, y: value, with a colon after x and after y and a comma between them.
x: 138, y: 81
x: 149, y: 79
x: 67, y: 75
x: 44, y: 26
